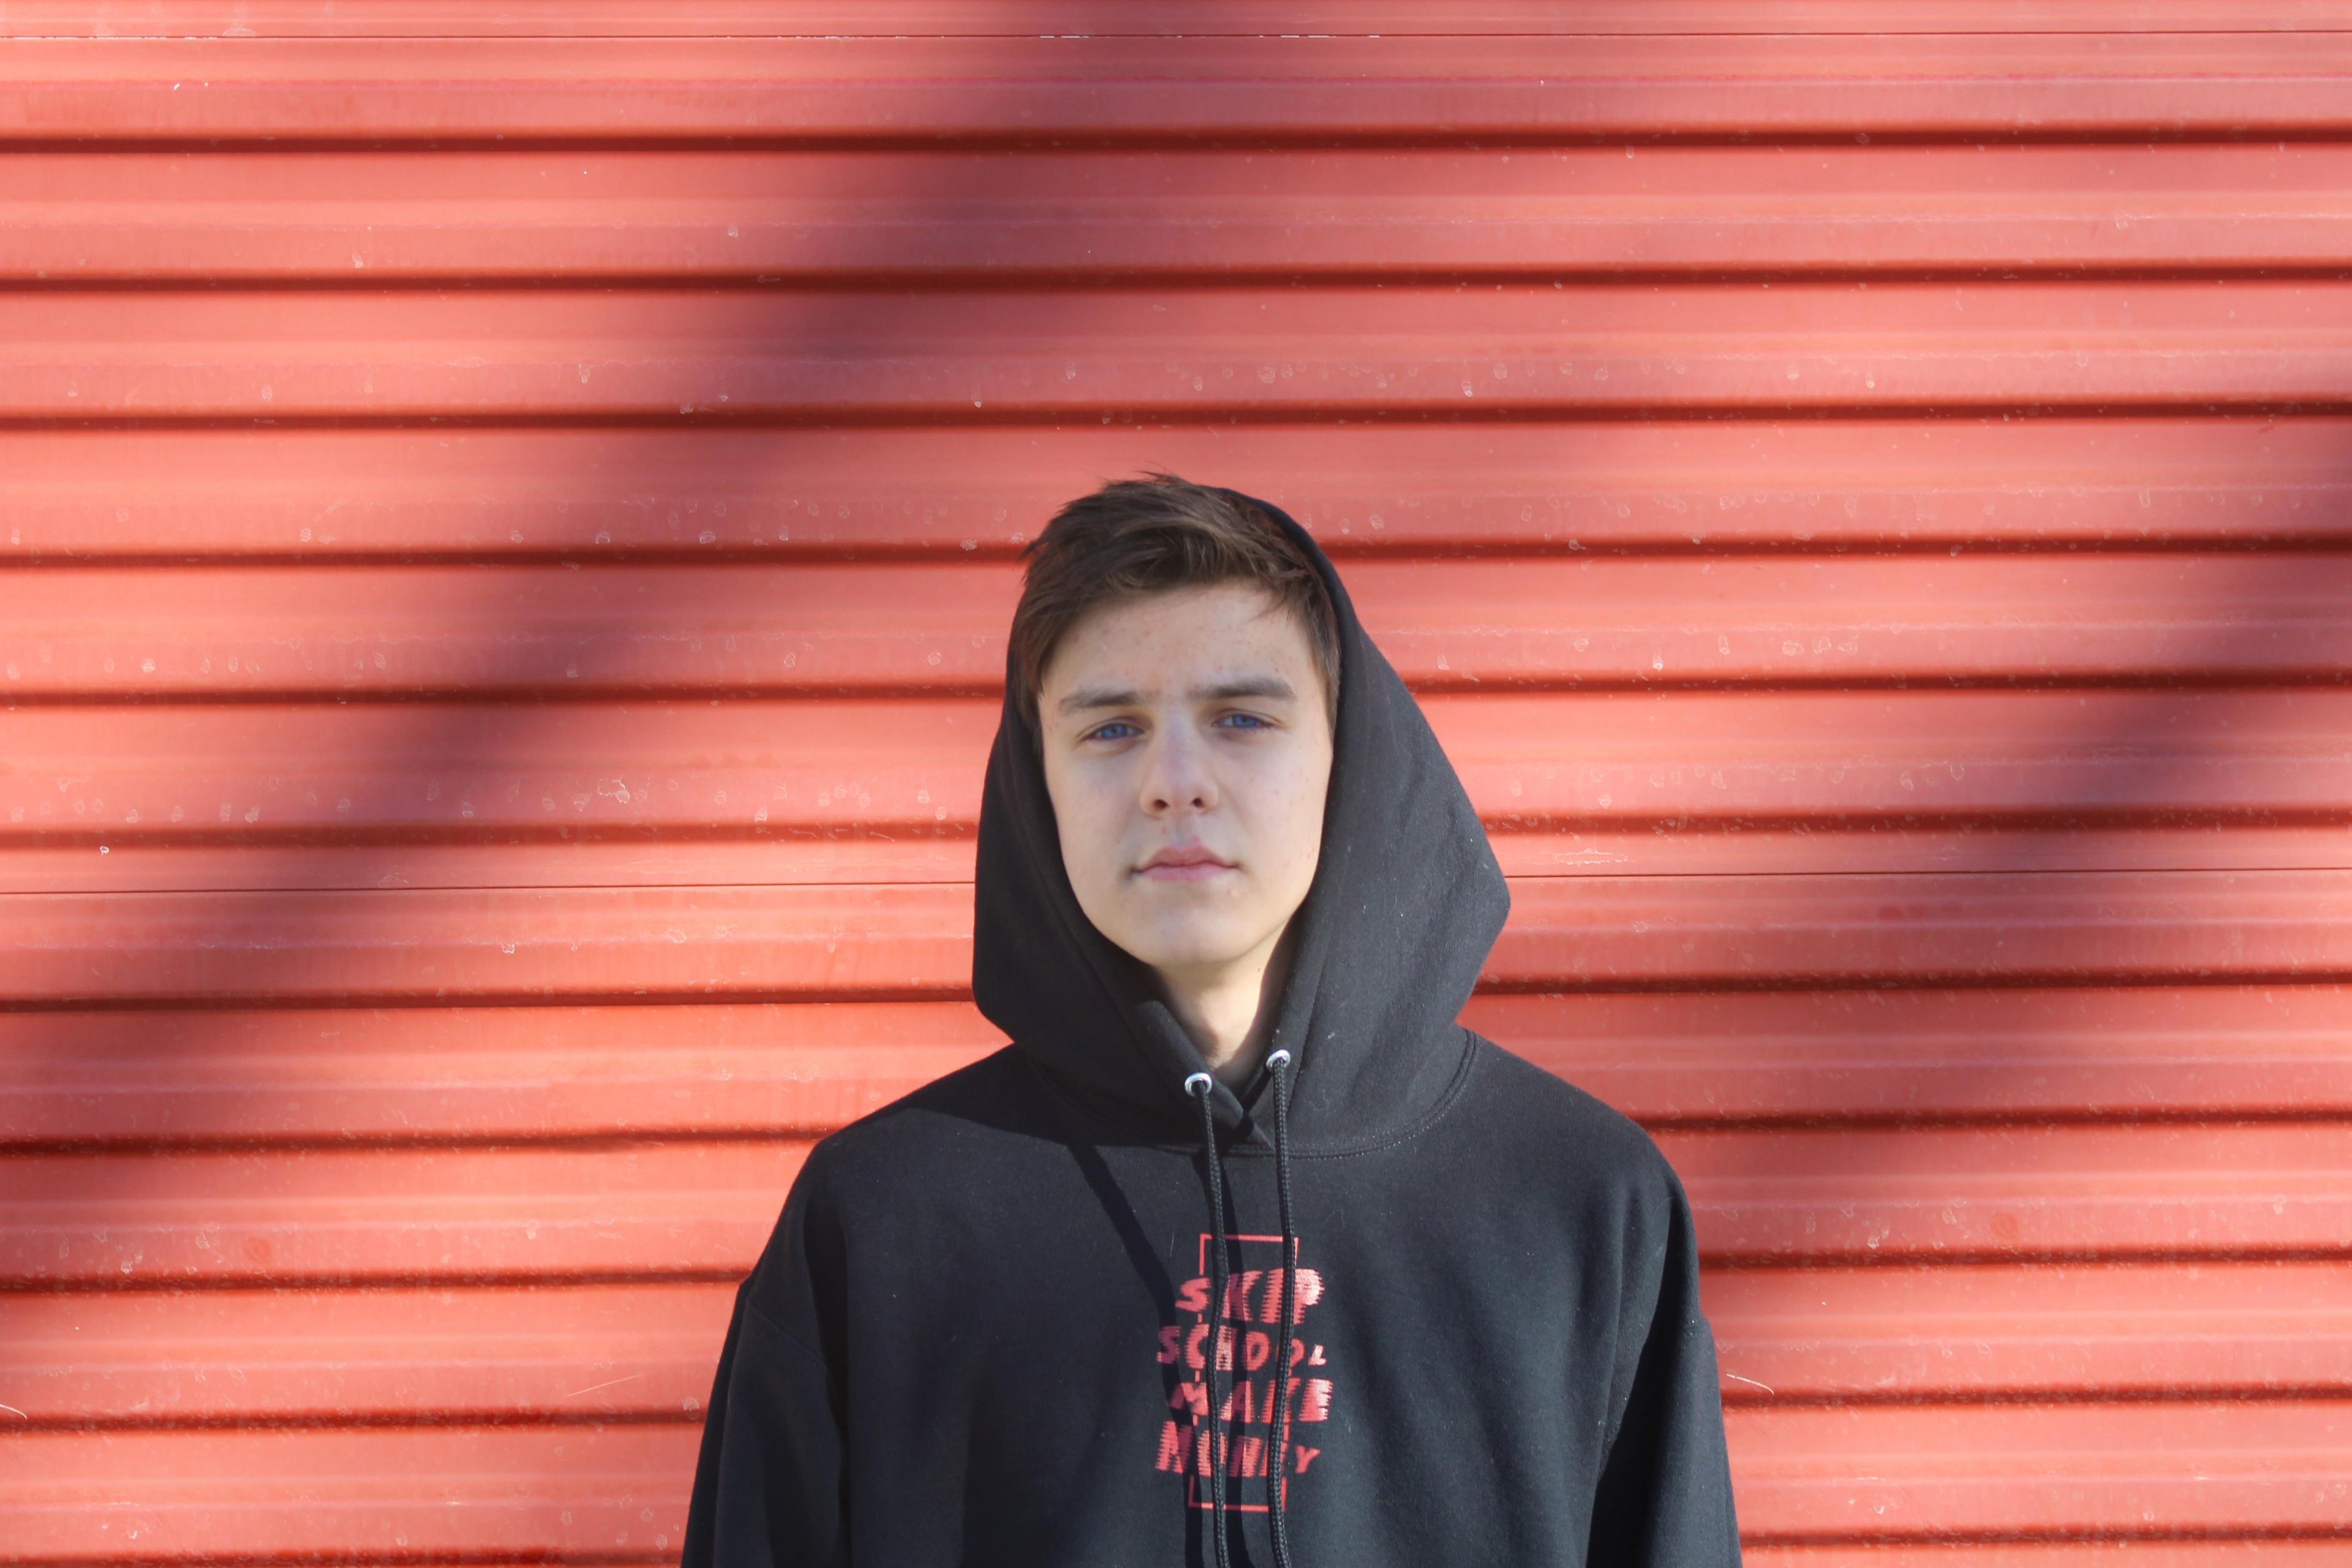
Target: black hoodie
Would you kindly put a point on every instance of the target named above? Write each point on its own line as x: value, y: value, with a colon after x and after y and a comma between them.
x: 981, y: 1331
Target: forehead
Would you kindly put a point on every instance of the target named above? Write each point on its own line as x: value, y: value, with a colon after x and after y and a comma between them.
x: 1224, y: 625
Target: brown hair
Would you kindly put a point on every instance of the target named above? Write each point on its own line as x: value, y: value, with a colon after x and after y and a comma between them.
x: 1133, y: 537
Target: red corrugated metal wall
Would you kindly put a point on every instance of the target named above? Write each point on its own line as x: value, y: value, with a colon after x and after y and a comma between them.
x: 507, y: 521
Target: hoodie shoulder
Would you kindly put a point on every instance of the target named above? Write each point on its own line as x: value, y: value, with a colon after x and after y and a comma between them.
x: 1541, y: 1122
x: 885, y: 1177
x: 996, y: 1095
x: 1594, y: 1177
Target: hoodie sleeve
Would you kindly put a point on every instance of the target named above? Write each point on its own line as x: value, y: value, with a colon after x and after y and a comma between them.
x: 1663, y: 1500
x: 770, y: 1485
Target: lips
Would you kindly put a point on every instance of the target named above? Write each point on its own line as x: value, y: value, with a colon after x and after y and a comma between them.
x: 1185, y: 864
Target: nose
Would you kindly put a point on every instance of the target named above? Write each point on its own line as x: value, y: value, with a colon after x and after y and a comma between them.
x: 1176, y: 775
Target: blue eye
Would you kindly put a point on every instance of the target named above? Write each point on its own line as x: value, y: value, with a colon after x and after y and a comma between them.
x: 1105, y: 732
x: 1255, y: 721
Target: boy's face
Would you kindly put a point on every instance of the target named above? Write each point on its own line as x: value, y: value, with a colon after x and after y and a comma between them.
x: 1188, y: 722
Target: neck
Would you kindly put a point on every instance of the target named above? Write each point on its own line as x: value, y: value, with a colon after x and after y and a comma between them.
x: 1229, y: 1010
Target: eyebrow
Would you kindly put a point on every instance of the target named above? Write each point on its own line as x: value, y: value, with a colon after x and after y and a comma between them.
x: 1086, y: 696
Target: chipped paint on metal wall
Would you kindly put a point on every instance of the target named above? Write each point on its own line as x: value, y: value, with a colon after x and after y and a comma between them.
x: 507, y: 524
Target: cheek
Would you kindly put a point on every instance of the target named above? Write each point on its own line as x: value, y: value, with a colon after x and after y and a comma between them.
x: 1297, y: 821
x: 1088, y: 831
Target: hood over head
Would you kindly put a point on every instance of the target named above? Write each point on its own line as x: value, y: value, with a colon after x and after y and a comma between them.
x: 1406, y: 902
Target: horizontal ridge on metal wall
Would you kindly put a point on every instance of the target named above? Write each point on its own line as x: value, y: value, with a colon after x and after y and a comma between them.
x: 621, y: 1486
x: 675, y: 490
x: 358, y: 219
x: 822, y: 630
x: 1515, y: 351
x: 905, y: 941
x: 701, y: 1208
x: 1237, y: 90
x: 1883, y: 1334
x: 157, y: 1079
x: 1146, y: 18
x: 827, y: 768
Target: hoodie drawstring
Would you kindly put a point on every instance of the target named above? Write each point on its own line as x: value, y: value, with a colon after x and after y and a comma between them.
x: 1204, y: 1087
x: 1279, y: 1467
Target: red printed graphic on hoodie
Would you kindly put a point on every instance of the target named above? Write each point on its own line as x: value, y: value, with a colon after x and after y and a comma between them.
x: 1243, y: 1342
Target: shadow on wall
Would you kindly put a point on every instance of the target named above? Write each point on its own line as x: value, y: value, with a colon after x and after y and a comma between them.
x: 568, y: 885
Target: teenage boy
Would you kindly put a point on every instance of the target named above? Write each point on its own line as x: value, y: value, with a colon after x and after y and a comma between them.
x: 1244, y: 1250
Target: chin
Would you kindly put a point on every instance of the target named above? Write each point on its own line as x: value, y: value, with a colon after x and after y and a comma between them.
x: 1189, y: 949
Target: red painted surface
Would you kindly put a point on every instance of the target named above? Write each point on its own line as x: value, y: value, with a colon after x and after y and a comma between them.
x: 506, y: 523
